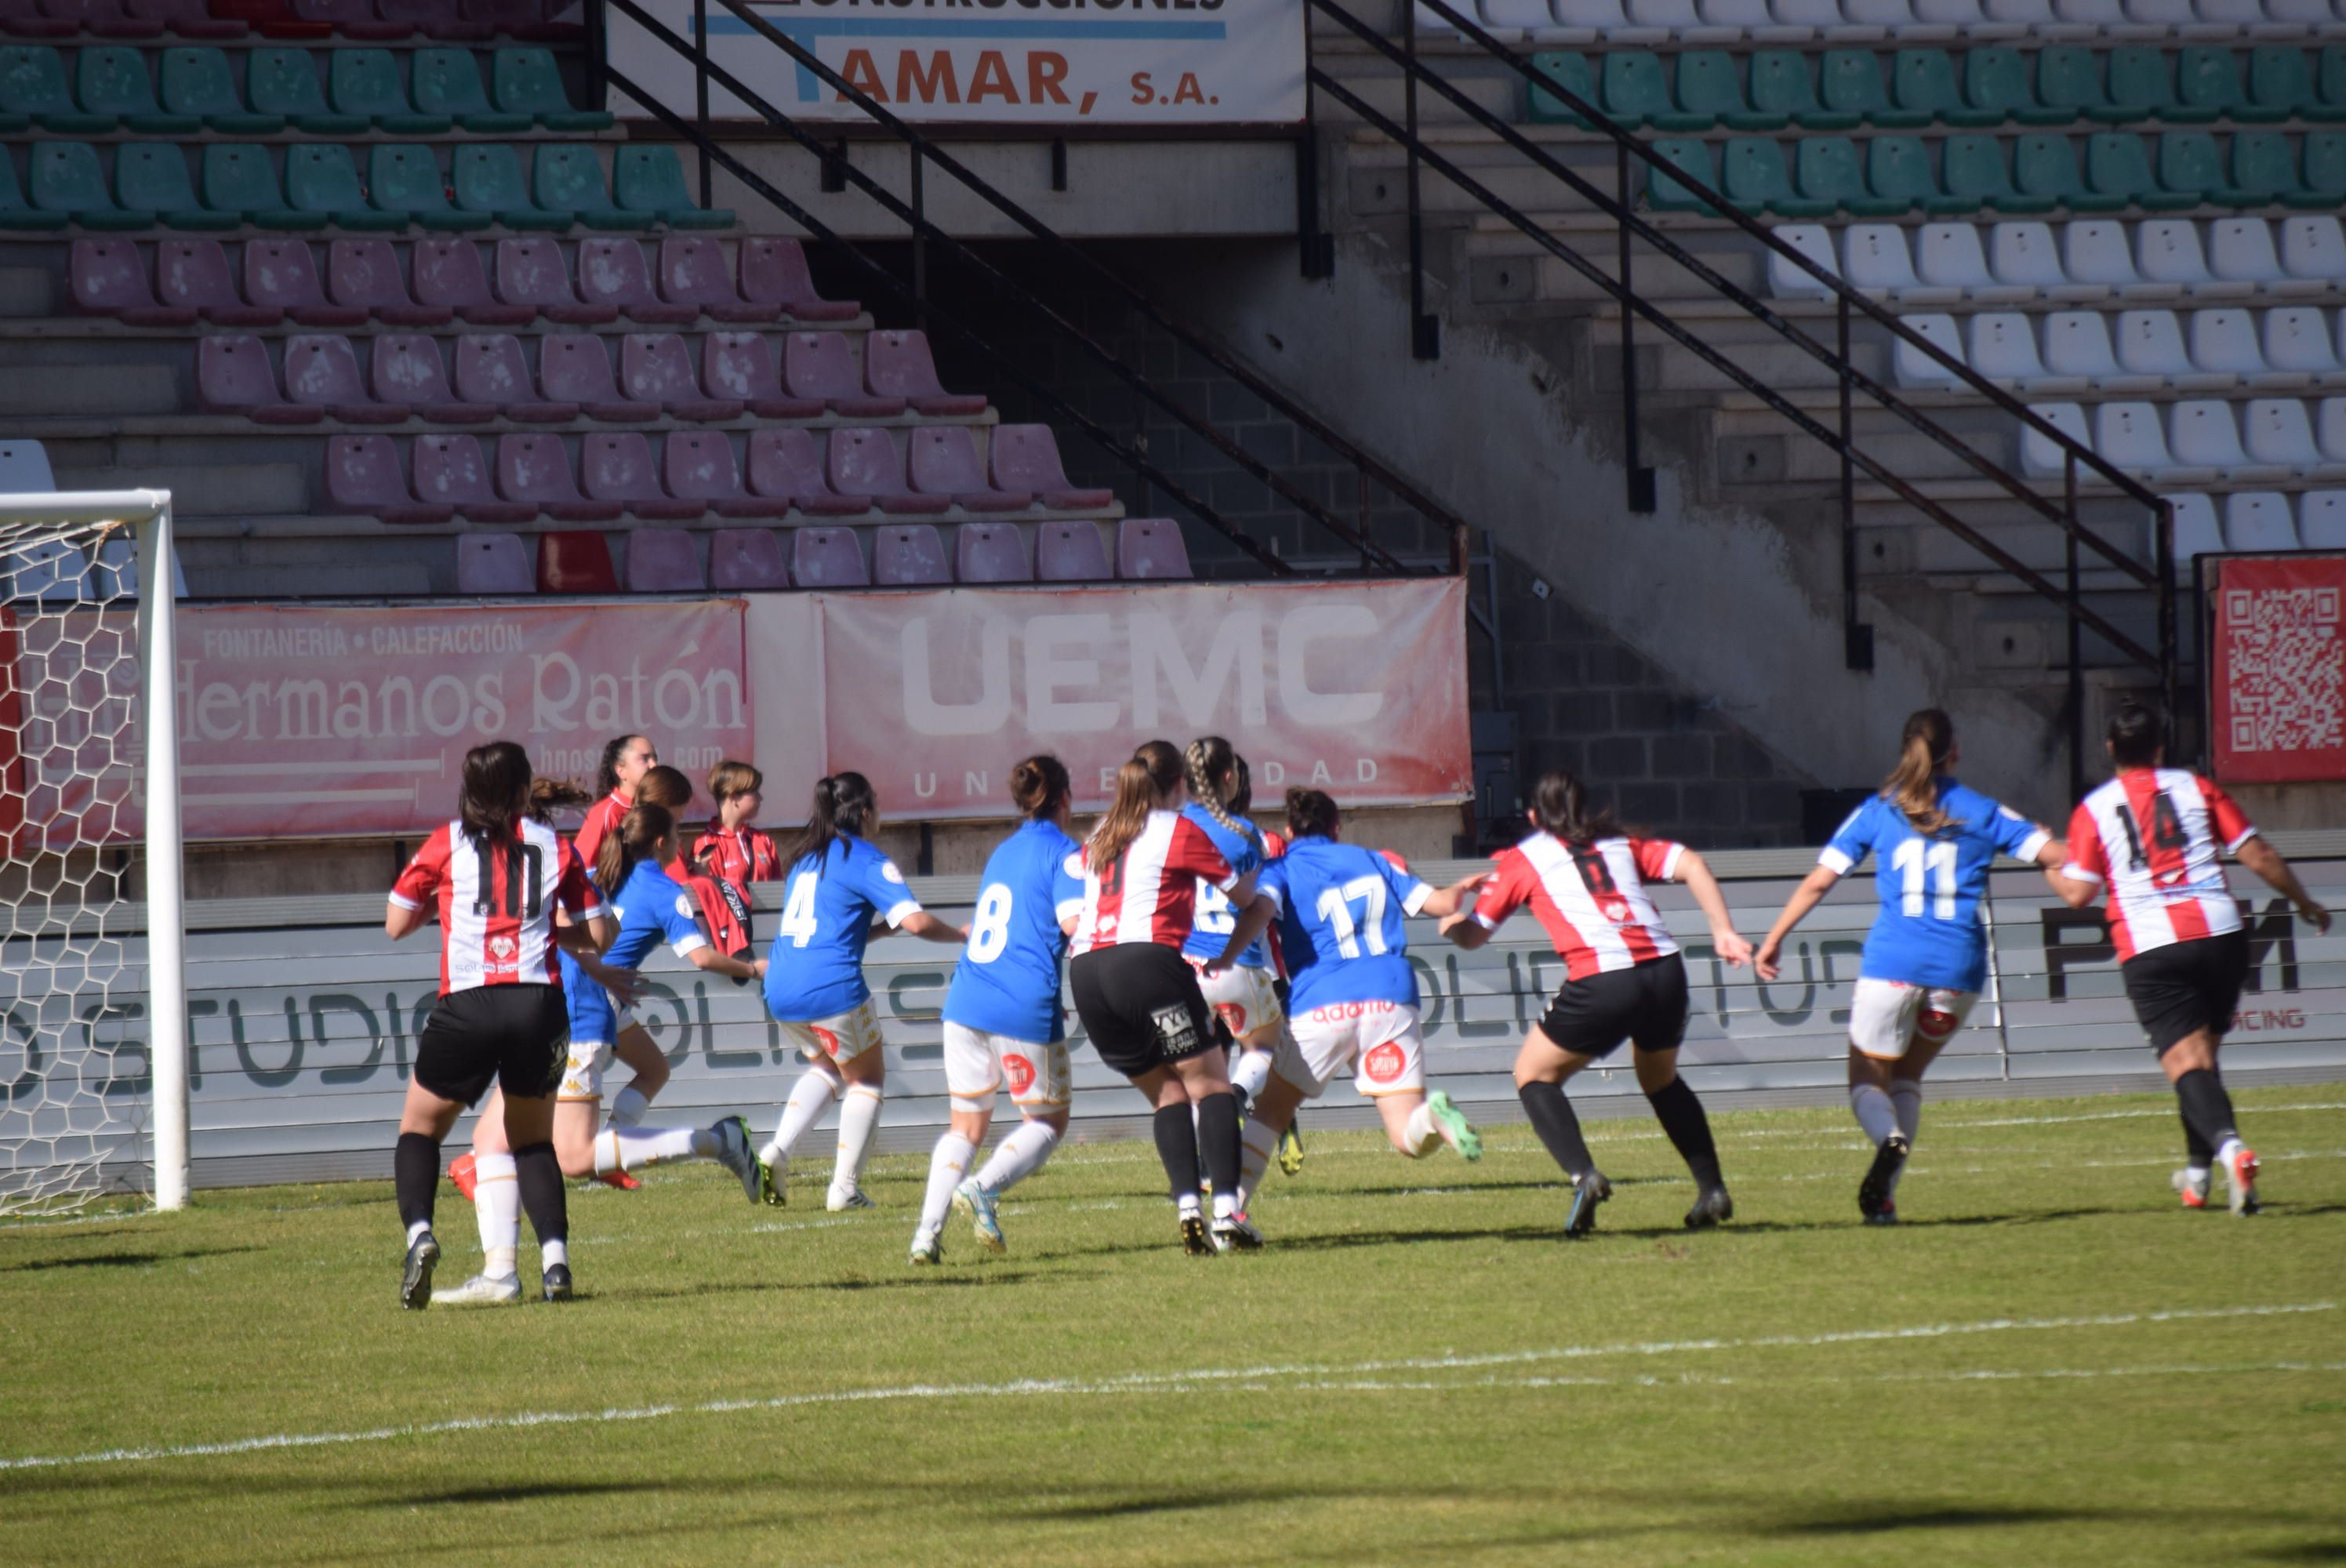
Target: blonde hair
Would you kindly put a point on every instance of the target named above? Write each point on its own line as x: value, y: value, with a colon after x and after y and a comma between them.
x: 1913, y: 785
x: 1211, y: 757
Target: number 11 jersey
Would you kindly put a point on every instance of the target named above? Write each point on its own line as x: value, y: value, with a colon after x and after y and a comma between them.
x: 1929, y: 931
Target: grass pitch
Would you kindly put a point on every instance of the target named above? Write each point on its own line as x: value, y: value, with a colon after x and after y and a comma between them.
x: 2048, y: 1363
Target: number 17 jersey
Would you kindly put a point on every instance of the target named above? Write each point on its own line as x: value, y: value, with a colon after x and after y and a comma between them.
x: 1929, y: 931
x: 1340, y: 913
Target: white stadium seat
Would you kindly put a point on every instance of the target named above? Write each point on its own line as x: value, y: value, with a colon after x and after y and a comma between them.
x: 2003, y: 349
x: 2279, y: 433
x: 2259, y: 520
x: 2297, y: 343
x: 2204, y: 434
x: 2241, y: 250
x: 1876, y: 259
x: 2041, y: 457
x: 2168, y: 251
x: 48, y: 570
x: 1949, y: 256
x: 2314, y: 248
x: 2330, y: 430
x: 2150, y: 343
x: 1813, y: 241
x: 2095, y: 251
x: 2223, y: 347
x: 2321, y: 519
x: 1917, y: 368
x: 2129, y: 436
x: 2077, y: 344
x: 2196, y: 533
x: 2024, y: 256
x: 24, y: 469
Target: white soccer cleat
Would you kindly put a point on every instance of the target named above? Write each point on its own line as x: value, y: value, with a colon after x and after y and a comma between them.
x: 838, y: 1199
x: 481, y: 1291
x: 926, y: 1253
x: 738, y: 1155
x: 1236, y: 1232
x: 2239, y: 1168
x: 974, y: 1201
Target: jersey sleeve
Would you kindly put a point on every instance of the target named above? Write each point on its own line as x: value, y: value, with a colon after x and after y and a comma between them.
x: 1657, y: 859
x: 1068, y: 885
x: 1408, y: 887
x: 420, y: 878
x: 1192, y: 852
x: 680, y: 924
x: 2232, y: 826
x: 1508, y: 890
x: 573, y: 889
x: 590, y: 836
x: 2014, y: 834
x: 1272, y: 884
x: 1851, y: 842
x: 2088, y: 861
x: 884, y: 885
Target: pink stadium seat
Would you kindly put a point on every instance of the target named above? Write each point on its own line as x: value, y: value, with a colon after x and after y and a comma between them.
x: 448, y: 273
x: 618, y: 467
x: 188, y: 18
x: 655, y: 367
x: 747, y: 560
x: 909, y: 555
x: 612, y: 273
x: 575, y: 563
x: 898, y: 364
x: 1150, y: 548
x: 104, y: 18
x: 321, y: 371
x: 109, y: 278
x: 494, y: 564
x: 866, y: 463
x: 442, y: 19
x: 193, y: 274
x: 353, y: 19
x: 536, y: 469
x: 787, y: 465
x: 574, y: 368
x: 821, y: 365
x: 532, y: 272
x: 663, y: 561
x: 406, y: 369
x: 944, y: 462
x: 827, y: 558
x: 1026, y: 457
x: 365, y: 273
x: 774, y: 272
x: 491, y: 369
x: 991, y: 552
x: 1070, y: 553
x: 692, y: 271
x: 363, y: 476
x: 282, y: 275
x: 450, y: 471
x: 741, y: 365
x: 232, y: 376
x: 700, y: 467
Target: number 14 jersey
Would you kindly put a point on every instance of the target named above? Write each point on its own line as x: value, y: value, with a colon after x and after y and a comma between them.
x: 1929, y: 931
x: 2153, y: 834
x: 1591, y: 902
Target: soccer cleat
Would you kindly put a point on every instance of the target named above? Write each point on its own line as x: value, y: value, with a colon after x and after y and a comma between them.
x: 1886, y: 1215
x: 460, y: 1171
x: 1873, y: 1192
x: 1195, y: 1240
x: 735, y: 1154
x: 619, y: 1179
x: 2240, y: 1175
x: 772, y: 1182
x: 1450, y: 1122
x: 1587, y: 1192
x: 481, y: 1291
x: 1239, y: 1093
x: 926, y: 1253
x: 1712, y: 1208
x: 1290, y: 1147
x: 1236, y: 1232
x: 415, y: 1278
x: 974, y: 1201
x: 2192, y: 1189
x: 836, y: 1200
x: 554, y: 1283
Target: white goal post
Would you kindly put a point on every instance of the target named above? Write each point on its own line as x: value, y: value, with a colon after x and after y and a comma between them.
x: 74, y: 691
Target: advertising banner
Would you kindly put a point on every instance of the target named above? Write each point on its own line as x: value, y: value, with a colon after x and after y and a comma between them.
x: 2278, y: 670
x: 1156, y: 63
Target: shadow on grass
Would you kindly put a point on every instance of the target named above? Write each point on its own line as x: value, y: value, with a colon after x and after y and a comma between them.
x: 123, y: 1259
x: 1884, y: 1521
x: 2305, y: 1552
x: 517, y: 1492
x: 925, y: 1280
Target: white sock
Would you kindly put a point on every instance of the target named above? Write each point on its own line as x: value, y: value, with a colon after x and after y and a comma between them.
x: 632, y: 1148
x: 810, y: 1096
x: 1906, y: 1100
x: 946, y: 1167
x: 1422, y: 1134
x: 2224, y: 1155
x: 550, y: 1253
x: 1257, y: 1144
x: 497, y: 1207
x: 1018, y: 1157
x: 1874, y: 1112
x: 1225, y: 1204
x: 1185, y: 1203
x: 628, y: 1106
x: 421, y: 1228
x: 2196, y: 1173
x: 1252, y: 1073
x: 859, y: 1118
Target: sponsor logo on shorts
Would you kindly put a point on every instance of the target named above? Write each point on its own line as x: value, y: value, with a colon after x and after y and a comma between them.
x: 1342, y: 1012
x: 1384, y: 1064
x: 1935, y: 1025
x: 826, y: 1039
x: 1233, y: 1014
x: 1019, y: 1072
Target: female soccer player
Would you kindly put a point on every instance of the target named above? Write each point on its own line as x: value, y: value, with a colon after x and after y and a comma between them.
x: 1138, y: 997
x: 2151, y: 836
x: 1003, y: 1023
x: 1341, y: 909
x: 733, y: 849
x: 837, y: 882
x: 625, y: 760
x: 1623, y: 978
x: 496, y: 876
x: 1926, y: 957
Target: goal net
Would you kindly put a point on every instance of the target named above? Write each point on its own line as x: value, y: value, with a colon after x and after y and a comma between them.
x: 81, y: 986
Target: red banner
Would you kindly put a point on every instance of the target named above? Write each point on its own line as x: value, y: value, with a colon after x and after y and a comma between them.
x: 2278, y: 663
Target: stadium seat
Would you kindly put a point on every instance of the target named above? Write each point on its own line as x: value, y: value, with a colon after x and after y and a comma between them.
x: 2170, y: 251
x: 363, y: 476
x: 1026, y: 458
x: 193, y: 275
x: 1151, y: 548
x: 364, y: 274
x: 1070, y: 552
x: 2314, y: 249
x: 2281, y: 85
x: 700, y: 467
x: 1898, y: 179
x: 1571, y: 73
x: 612, y: 273
x: 152, y: 176
x: 649, y: 180
x: 2297, y: 343
x: 868, y: 462
x: 788, y: 465
x: 743, y: 365
x: 821, y: 366
x: 2003, y: 346
x: 448, y: 82
x: 494, y: 564
x: 321, y: 371
x: 1948, y: 256
x: 285, y: 82
x: 2264, y: 173
x: 663, y: 561
x: 234, y: 376
x: 2077, y: 346
x: 449, y: 276
x: 575, y: 562
x: 909, y: 555
x: 774, y: 272
x: 531, y: 273
x: 2330, y: 430
x: 487, y: 178
x: 2140, y: 86
x: 15, y: 213
x: 2150, y: 343
x: 65, y: 177
x: 2042, y: 457
x: 657, y: 368
x: 619, y: 466
x: 405, y: 368
x: 2321, y: 519
x: 1998, y: 88
x: 2202, y: 433
x: 897, y: 364
x: 2024, y: 256
x: 1826, y: 168
x: 24, y: 469
x: 993, y: 553
x: 322, y: 180
x: 407, y: 179
x: 282, y: 275
x: 528, y: 82
x: 1782, y: 89
x: 574, y: 368
x: 943, y: 461
x: 1850, y: 82
x: 693, y: 271
x: 2241, y: 250
x: 2277, y: 435
x: 1917, y: 368
x: 2195, y: 530
x: 33, y: 87
x: 2131, y: 436
x: 536, y: 469
x: 1690, y: 155
x: 450, y: 471
x: 2223, y: 348
x: 747, y: 560
x: 2259, y: 520
x: 827, y: 558
x: 1975, y: 175
x: 238, y: 177
x: 1753, y: 177
x: 2098, y: 255
x: 46, y: 571
x: 112, y: 80
x: 366, y: 82
x: 1634, y: 91
x: 1813, y: 241
x: 109, y: 278
x: 570, y: 180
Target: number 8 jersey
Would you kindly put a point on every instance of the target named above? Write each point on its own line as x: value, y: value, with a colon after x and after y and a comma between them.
x: 1591, y: 902
x: 1929, y: 931
x: 2152, y: 834
x: 1007, y: 980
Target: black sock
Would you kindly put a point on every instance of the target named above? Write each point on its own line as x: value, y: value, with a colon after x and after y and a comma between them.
x: 1680, y: 1113
x: 2206, y: 1109
x: 543, y: 1197
x: 1557, y: 1127
x: 415, y: 1176
x: 1176, y: 1145
x: 2197, y: 1152
x: 1218, y: 1133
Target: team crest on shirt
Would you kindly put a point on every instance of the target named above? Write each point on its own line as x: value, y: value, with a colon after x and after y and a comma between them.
x: 1019, y: 1072
x: 503, y: 947
x: 888, y: 872
x: 1384, y: 1064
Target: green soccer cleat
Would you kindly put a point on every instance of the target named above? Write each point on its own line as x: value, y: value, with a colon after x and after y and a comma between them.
x: 974, y: 1201
x: 773, y: 1182
x: 1290, y: 1147
x: 1452, y: 1123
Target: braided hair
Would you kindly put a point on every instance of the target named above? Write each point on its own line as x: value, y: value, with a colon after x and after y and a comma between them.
x: 1214, y: 773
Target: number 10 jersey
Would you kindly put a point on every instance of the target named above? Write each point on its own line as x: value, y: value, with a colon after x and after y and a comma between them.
x: 1929, y: 931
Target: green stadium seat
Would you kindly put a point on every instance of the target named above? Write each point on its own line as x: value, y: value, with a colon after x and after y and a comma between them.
x: 65, y: 177
x: 2190, y: 171
x: 152, y: 176
x: 406, y: 179
x: 2325, y: 169
x: 1996, y: 89
x: 1974, y: 171
x: 2280, y: 79
x: 570, y: 180
x: 1850, y: 81
x: 112, y: 80
x: 1753, y: 177
x: 448, y: 82
x: 196, y: 81
x: 365, y: 82
x: 1571, y: 72
x: 1781, y: 83
x: 2329, y: 75
x: 1690, y: 155
x: 15, y: 213
x: 1635, y: 92
x: 2207, y: 81
x: 1827, y: 168
x: 238, y: 177
x: 2142, y: 87
x: 529, y: 81
x: 2068, y: 77
x: 323, y: 180
x: 1706, y: 84
x: 2117, y: 165
x: 2264, y: 170
x: 33, y: 87
x: 488, y: 177
x: 2047, y: 165
x: 1922, y: 82
x: 1898, y: 174
x: 285, y: 82
x: 650, y: 180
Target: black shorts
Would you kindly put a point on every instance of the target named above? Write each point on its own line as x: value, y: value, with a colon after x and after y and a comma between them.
x: 1646, y: 1005
x: 2187, y: 986
x: 1141, y: 1006
x: 515, y: 1035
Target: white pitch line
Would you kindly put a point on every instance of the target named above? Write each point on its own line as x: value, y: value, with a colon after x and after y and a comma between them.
x: 1196, y: 1380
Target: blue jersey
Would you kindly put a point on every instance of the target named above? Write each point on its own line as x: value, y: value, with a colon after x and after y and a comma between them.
x: 1212, y: 926
x: 651, y: 909
x: 815, y: 968
x: 1929, y: 931
x: 1008, y: 982
x: 1340, y: 908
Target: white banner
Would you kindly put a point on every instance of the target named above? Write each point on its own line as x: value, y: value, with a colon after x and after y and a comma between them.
x: 1161, y: 63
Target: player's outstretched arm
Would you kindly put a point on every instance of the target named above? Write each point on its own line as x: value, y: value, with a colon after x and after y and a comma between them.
x: 929, y: 928
x: 1253, y: 921
x: 1443, y: 903
x: 732, y: 968
x: 2266, y: 862
x: 1697, y: 880
x: 1766, y: 962
x: 587, y: 938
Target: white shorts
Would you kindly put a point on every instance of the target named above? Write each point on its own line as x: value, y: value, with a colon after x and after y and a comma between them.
x: 840, y: 1038
x: 1887, y: 1016
x: 582, y: 1076
x: 1378, y: 1040
x: 977, y: 1064
x: 1245, y: 1000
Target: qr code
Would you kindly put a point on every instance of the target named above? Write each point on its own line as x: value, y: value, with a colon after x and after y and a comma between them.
x: 2288, y: 665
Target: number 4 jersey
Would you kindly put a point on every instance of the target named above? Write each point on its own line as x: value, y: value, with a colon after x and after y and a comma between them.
x: 1340, y: 913
x: 1591, y: 902
x: 2153, y: 834
x: 1007, y: 981
x: 1929, y: 931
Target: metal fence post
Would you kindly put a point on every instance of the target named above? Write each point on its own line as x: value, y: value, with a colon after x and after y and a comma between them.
x: 1424, y: 331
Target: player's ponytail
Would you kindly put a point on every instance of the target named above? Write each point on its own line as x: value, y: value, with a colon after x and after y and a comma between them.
x: 843, y: 808
x: 2137, y: 735
x: 1560, y: 805
x: 1138, y: 792
x: 664, y: 785
x: 547, y: 795
x: 1040, y: 787
x: 496, y: 793
x: 1923, y: 748
x: 1311, y: 814
x: 639, y: 837
x: 1211, y: 767
x: 607, y: 774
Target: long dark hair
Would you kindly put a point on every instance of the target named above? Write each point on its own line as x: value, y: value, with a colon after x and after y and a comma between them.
x: 496, y: 793
x: 1040, y: 787
x: 1311, y: 814
x: 607, y: 777
x: 2135, y: 735
x: 664, y: 785
x: 1923, y: 746
x: 843, y: 805
x: 638, y: 837
x: 1560, y: 804
x: 1142, y: 785
x: 549, y: 794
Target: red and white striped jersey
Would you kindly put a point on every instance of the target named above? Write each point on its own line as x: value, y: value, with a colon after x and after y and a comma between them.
x: 740, y: 858
x: 496, y: 906
x: 603, y: 817
x: 1149, y: 894
x: 2153, y: 835
x: 1592, y: 902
